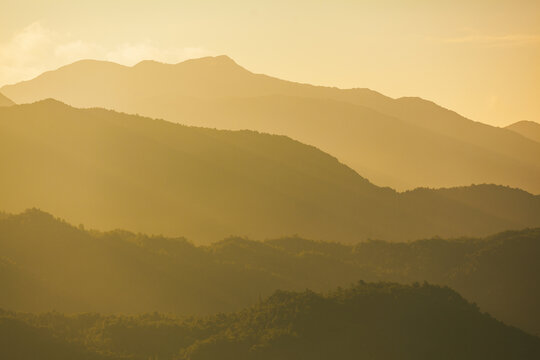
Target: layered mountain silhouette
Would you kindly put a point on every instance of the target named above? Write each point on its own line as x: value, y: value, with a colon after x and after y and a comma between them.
x: 378, y: 321
x: 4, y: 101
x: 47, y: 264
x: 402, y: 143
x: 528, y: 129
x: 108, y: 169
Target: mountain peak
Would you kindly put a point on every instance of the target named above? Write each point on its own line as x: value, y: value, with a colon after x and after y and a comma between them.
x: 50, y: 102
x: 220, y: 61
x: 92, y: 63
x: 224, y: 59
x: 149, y: 63
x: 524, y: 122
x: 526, y: 128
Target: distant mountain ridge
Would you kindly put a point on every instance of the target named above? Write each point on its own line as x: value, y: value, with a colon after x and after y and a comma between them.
x: 380, y: 321
x: 528, y: 129
x: 108, y: 169
x: 402, y: 143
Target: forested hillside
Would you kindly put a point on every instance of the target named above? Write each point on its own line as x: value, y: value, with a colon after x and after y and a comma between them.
x: 108, y: 170
x: 48, y: 264
x: 379, y: 321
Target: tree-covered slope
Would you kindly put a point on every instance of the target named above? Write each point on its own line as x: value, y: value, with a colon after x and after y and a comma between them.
x: 48, y: 264
x: 20, y: 340
x: 107, y: 169
x: 370, y: 320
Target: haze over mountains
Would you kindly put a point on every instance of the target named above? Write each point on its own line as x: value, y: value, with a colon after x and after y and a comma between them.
x: 107, y: 170
x: 4, y: 101
x: 528, y: 129
x: 152, y: 209
x: 402, y: 143
x: 47, y: 264
x: 111, y: 170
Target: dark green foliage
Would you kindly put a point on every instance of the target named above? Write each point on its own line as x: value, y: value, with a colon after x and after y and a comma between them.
x: 369, y: 320
x: 48, y: 265
x: 21, y: 340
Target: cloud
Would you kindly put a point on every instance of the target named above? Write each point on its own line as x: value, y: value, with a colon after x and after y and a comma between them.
x: 496, y: 40
x: 36, y: 49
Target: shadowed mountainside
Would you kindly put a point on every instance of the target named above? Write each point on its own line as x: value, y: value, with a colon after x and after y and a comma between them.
x: 403, y: 143
x: 4, y: 101
x: 48, y: 264
x: 528, y: 129
x: 20, y: 340
x: 377, y: 321
x: 114, y: 170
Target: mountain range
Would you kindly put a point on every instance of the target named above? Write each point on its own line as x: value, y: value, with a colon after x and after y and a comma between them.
x: 528, y: 129
x: 108, y: 170
x: 380, y: 321
x: 402, y: 143
x: 47, y: 264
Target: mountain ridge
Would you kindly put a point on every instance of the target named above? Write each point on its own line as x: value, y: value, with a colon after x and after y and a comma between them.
x: 5, y: 101
x: 456, y: 151
x: 50, y: 264
x: 95, y: 165
x: 354, y: 322
x: 526, y: 128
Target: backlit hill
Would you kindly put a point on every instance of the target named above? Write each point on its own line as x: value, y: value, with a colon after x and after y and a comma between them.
x: 108, y: 169
x: 528, y: 129
x: 402, y: 143
x: 4, y: 101
x: 47, y: 264
x: 380, y: 321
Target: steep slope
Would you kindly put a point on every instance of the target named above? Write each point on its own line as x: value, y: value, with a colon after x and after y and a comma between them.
x: 438, y: 147
x: 528, y: 129
x: 4, y: 101
x: 49, y: 264
x: 108, y: 169
x: 385, y: 149
x: 379, y: 321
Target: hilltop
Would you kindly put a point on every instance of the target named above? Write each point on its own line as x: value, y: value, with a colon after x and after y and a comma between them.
x: 376, y: 320
x: 48, y: 264
x: 528, y: 129
x: 402, y: 143
x: 108, y: 169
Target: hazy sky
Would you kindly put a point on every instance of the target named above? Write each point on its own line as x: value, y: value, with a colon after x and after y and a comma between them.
x: 479, y: 58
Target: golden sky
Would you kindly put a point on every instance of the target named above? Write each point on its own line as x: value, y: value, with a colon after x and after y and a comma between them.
x: 480, y: 58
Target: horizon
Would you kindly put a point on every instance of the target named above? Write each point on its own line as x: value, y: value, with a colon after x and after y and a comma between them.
x: 240, y: 65
x: 476, y: 59
x: 318, y: 180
